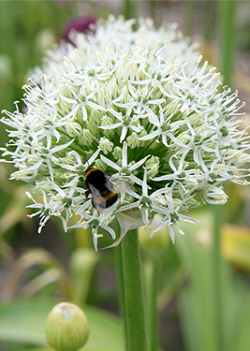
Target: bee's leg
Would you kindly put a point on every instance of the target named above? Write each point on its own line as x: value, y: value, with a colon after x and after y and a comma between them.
x: 93, y: 204
x: 87, y: 193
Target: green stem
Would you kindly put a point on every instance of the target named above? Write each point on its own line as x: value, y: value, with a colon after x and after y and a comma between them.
x: 209, y: 20
x: 151, y: 283
x: 153, y: 8
x: 217, y: 275
x: 129, y: 9
x: 120, y: 287
x: 189, y: 8
x: 133, y: 293
x: 227, y: 11
x: 228, y: 47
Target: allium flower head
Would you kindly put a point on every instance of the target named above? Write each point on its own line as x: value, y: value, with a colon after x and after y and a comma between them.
x: 140, y: 105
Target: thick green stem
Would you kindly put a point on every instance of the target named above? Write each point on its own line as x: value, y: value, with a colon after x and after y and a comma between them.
x: 120, y: 286
x: 209, y: 20
x: 129, y: 9
x: 217, y: 275
x: 153, y: 8
x: 228, y: 32
x: 189, y: 8
x: 151, y: 283
x: 228, y: 48
x: 133, y: 293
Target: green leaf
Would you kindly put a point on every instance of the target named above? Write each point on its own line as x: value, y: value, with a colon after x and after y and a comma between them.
x: 244, y: 335
x: 23, y: 320
x: 196, y: 302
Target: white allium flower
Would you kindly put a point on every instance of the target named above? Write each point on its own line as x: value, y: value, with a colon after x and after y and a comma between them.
x: 140, y: 105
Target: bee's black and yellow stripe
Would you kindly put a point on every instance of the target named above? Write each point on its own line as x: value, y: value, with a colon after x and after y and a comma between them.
x: 88, y: 172
x: 98, y: 179
x: 109, y: 199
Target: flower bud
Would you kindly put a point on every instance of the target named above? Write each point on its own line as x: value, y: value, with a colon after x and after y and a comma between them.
x: 73, y: 128
x: 113, y: 89
x: 95, y: 117
x: 214, y: 195
x: 117, y: 152
x: 86, y: 137
x: 106, y: 121
x: 100, y: 164
x: 171, y: 107
x: 152, y: 166
x: 106, y: 145
x: 67, y: 327
x: 133, y: 141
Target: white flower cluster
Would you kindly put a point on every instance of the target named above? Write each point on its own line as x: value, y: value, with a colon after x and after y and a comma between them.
x: 135, y: 103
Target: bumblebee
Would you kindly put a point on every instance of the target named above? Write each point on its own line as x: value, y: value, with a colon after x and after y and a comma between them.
x: 104, y: 189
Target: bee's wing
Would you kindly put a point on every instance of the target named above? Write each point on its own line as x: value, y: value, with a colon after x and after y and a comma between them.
x: 122, y: 186
x: 110, y: 183
x: 98, y: 201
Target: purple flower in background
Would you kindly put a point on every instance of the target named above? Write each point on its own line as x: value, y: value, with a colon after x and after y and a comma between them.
x: 78, y: 24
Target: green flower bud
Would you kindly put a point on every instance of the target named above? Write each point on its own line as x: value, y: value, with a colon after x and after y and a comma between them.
x: 113, y: 89
x: 73, y: 128
x: 117, y: 152
x: 106, y: 145
x: 67, y: 327
x: 64, y: 107
x: 106, y: 121
x: 171, y: 107
x: 152, y: 166
x: 101, y: 96
x: 86, y: 137
x: 95, y: 117
x: 93, y: 127
x: 214, y: 195
x: 224, y: 131
x: 133, y: 141
x: 100, y: 164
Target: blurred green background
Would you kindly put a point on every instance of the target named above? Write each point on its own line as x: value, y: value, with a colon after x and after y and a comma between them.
x: 37, y: 271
